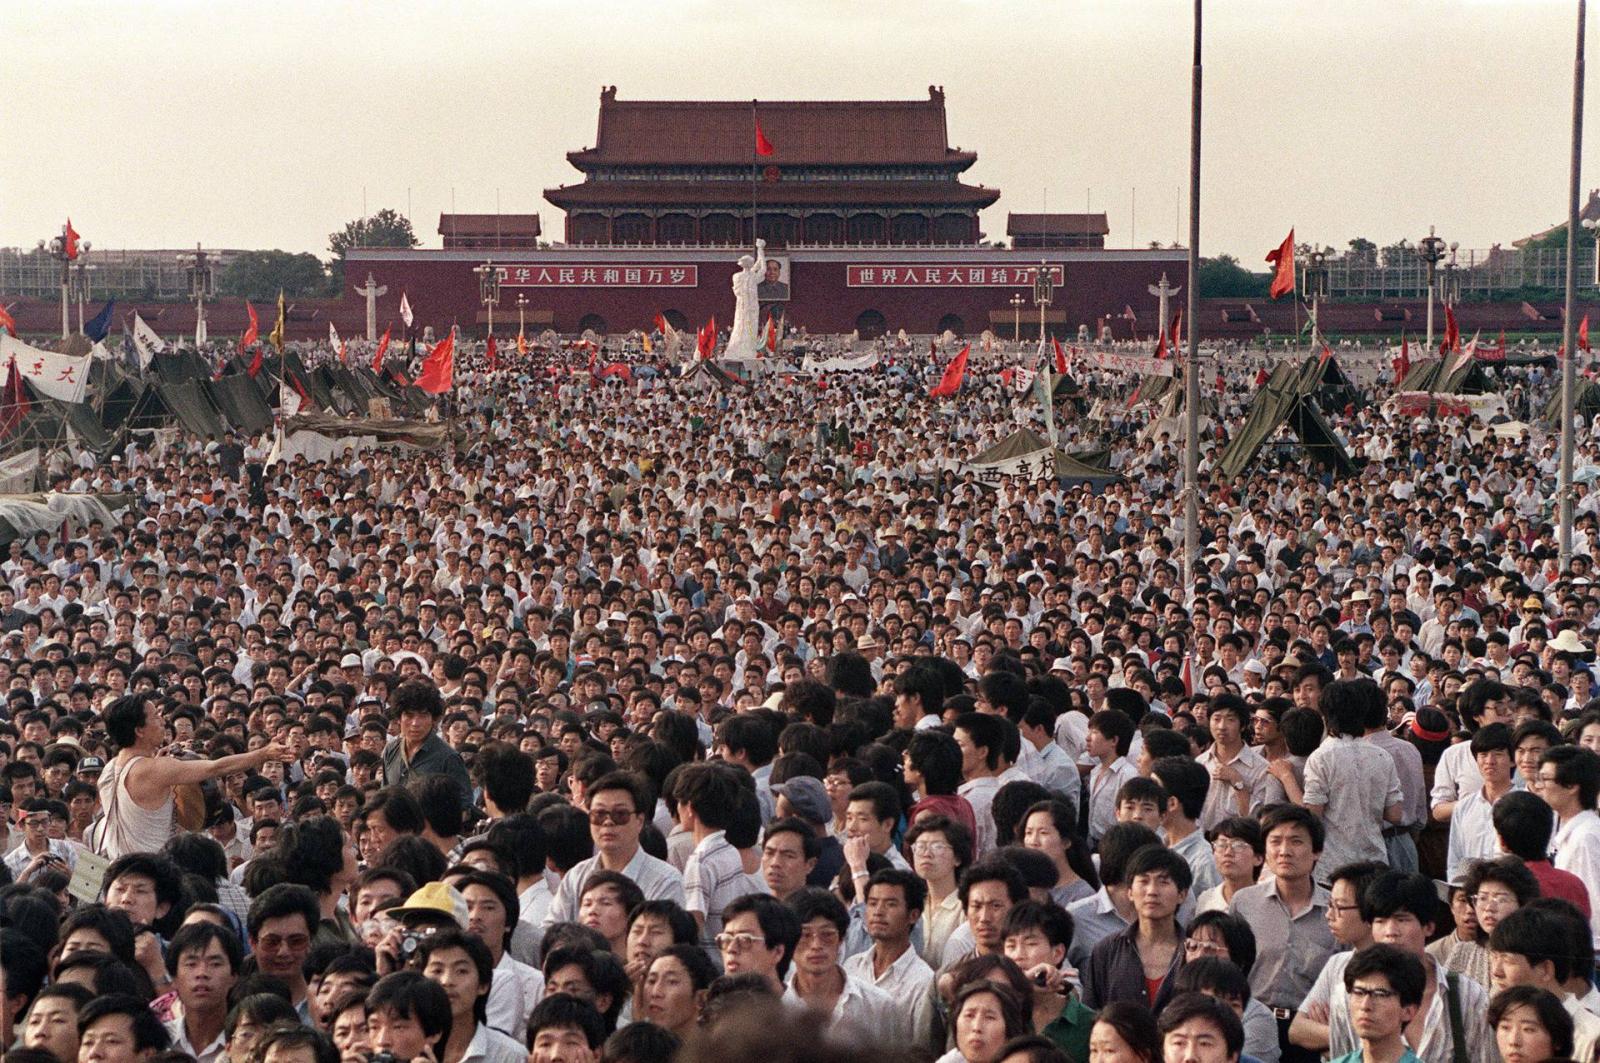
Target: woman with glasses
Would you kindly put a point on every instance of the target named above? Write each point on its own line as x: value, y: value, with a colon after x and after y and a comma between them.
x: 1238, y: 851
x: 940, y: 850
x: 1493, y: 889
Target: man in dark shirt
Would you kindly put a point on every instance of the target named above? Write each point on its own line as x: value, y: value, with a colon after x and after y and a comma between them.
x: 419, y: 750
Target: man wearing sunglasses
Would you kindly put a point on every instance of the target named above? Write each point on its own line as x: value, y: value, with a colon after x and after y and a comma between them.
x: 618, y: 812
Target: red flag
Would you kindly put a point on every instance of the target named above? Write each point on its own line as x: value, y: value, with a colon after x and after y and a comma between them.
x: 69, y: 237
x: 1583, y: 334
x: 255, y: 364
x: 251, y: 333
x: 1177, y: 325
x: 1402, y: 364
x: 1161, y: 346
x: 772, y: 335
x: 763, y: 145
x: 661, y: 325
x: 493, y: 355
x: 1261, y: 377
x: 1282, y: 256
x: 954, y: 373
x: 1452, y: 332
x: 1061, y: 356
x: 705, y: 343
x: 1500, y: 350
x: 1322, y: 359
x: 7, y: 322
x: 383, y: 348
x: 438, y: 369
x: 618, y: 369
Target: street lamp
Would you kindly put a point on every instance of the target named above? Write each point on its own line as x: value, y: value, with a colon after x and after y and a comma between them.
x: 80, y: 283
x: 56, y: 248
x: 1430, y: 249
x: 202, y: 285
x: 522, y: 307
x: 488, y: 289
x: 1016, y: 317
x: 1593, y: 225
x: 1450, y: 286
x: 1043, y: 292
x: 1314, y: 282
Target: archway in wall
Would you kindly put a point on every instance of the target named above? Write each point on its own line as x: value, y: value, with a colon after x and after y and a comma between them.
x: 592, y: 323
x: 951, y: 323
x: 870, y: 325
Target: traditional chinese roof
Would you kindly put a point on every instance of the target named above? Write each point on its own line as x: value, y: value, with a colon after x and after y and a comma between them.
x: 806, y: 132
x: 1056, y: 225
x: 489, y: 225
x: 735, y: 195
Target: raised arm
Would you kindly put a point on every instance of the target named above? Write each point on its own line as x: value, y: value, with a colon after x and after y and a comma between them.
x: 155, y: 775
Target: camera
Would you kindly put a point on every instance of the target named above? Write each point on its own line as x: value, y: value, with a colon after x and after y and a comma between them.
x: 384, y: 1057
x: 413, y: 938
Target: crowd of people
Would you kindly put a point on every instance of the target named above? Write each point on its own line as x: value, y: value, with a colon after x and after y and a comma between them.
x: 651, y: 725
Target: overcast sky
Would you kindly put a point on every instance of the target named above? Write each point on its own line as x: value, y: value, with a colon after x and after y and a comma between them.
x: 257, y: 125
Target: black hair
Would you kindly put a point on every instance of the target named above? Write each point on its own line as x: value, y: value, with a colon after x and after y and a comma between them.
x: 1235, y: 933
x: 523, y: 836
x: 1117, y: 726
x: 507, y: 775
x: 1507, y: 871
x: 1349, y: 703
x: 993, y: 870
x: 1186, y: 1007
x: 710, y: 790
x: 1117, y: 845
x: 1538, y: 935
x: 1400, y: 891
x: 282, y: 900
x: 1575, y: 766
x: 1552, y: 1014
x: 504, y: 890
x: 159, y: 870
x: 1523, y: 824
x: 601, y: 968
x: 1403, y: 970
x: 640, y: 1042
x: 1155, y: 859
x: 1491, y: 738
x: 320, y: 1044
x: 26, y: 966
x: 1184, y: 779
x: 440, y: 798
x: 197, y: 937
x: 311, y: 851
x: 1017, y: 1017
x: 912, y: 888
x: 399, y: 808
x: 124, y: 717
x: 955, y: 832
x: 1065, y: 821
x: 779, y: 924
x: 565, y: 1011
x: 702, y: 971
x: 1276, y: 816
x: 685, y: 931
x: 813, y: 902
x: 148, y: 1032
x: 455, y: 938
x: 409, y: 995
x: 1009, y: 807
x: 1215, y: 977
x: 415, y: 855
x: 1047, y: 917
x: 935, y: 756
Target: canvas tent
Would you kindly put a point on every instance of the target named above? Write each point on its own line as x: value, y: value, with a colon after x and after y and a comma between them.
x: 321, y: 436
x: 238, y: 399
x: 25, y: 514
x: 1455, y: 376
x: 1585, y: 400
x: 1027, y: 454
x: 1285, y: 400
x: 704, y: 376
x: 1333, y: 387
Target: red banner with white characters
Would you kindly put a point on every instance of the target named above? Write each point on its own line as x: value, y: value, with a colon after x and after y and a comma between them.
x: 600, y: 275
x: 919, y: 275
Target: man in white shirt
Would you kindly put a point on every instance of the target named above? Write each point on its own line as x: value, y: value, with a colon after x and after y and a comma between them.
x: 850, y: 1009
x: 894, y: 904
x: 1569, y: 781
x: 203, y: 960
x: 1108, y: 740
x: 617, y: 815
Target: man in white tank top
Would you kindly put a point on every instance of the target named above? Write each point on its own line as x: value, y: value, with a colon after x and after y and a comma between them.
x: 136, y: 788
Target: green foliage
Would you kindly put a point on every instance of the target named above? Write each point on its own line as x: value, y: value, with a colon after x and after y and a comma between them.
x: 1223, y: 277
x: 261, y: 274
x: 387, y: 228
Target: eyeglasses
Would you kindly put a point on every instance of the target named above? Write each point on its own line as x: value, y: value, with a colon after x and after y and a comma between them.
x: 1196, y: 947
x: 1230, y: 845
x: 930, y: 848
x: 601, y: 816
x: 1495, y: 899
x: 737, y: 942
x: 1367, y: 992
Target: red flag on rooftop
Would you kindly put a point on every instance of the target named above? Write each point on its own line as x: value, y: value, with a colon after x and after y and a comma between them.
x: 383, y: 348
x: 1283, y: 257
x: 438, y: 369
x: 763, y: 145
x: 69, y: 240
x: 954, y: 373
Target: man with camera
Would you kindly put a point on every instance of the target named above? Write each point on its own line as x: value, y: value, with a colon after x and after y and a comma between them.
x: 38, y: 851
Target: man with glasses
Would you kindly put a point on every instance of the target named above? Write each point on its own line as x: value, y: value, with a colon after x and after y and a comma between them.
x: 1569, y: 780
x: 759, y: 934
x: 853, y: 1010
x: 1385, y: 986
x: 616, y: 819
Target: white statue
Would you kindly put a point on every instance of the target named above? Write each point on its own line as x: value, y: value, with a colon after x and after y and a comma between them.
x: 744, y: 337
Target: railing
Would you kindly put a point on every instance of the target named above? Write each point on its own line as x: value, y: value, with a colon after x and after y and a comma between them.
x: 1401, y: 274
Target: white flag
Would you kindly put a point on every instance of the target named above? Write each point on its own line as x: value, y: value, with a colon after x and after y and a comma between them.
x: 405, y: 309
x: 60, y: 376
x: 288, y: 400
x: 333, y: 336
x: 145, y: 341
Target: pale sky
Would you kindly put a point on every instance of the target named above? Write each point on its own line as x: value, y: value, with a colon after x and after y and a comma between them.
x: 260, y: 125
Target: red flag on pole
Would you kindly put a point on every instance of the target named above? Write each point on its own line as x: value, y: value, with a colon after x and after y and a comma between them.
x: 69, y: 238
x: 1061, y: 356
x: 705, y: 344
x: 1282, y: 256
x: 255, y: 364
x: 772, y: 335
x: 7, y: 322
x: 438, y: 369
x: 763, y: 145
x: 493, y: 354
x: 383, y: 348
x: 1177, y: 325
x: 1402, y: 364
x: 251, y: 333
x: 1583, y: 334
x: 1452, y: 332
x: 954, y: 373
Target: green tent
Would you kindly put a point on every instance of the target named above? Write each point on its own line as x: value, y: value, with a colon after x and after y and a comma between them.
x: 1028, y: 454
x: 1286, y: 399
x: 1585, y: 399
x: 1460, y: 376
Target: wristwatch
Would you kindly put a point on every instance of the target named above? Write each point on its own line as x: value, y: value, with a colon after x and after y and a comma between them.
x: 1238, y: 786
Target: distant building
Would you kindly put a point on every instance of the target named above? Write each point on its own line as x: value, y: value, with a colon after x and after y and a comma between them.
x: 488, y: 232
x: 666, y: 173
x: 1056, y: 231
x: 1590, y: 212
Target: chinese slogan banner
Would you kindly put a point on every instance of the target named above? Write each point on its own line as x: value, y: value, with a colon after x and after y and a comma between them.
x: 60, y: 376
x: 927, y: 276
x: 1129, y: 363
x: 595, y: 275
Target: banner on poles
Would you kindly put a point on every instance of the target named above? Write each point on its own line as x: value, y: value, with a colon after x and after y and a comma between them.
x: 1129, y: 363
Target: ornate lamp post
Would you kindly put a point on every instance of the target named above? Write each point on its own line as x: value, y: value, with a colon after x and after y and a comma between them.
x: 1043, y: 291
x: 80, y: 282
x: 202, y: 285
x: 56, y: 248
x: 522, y: 307
x: 1431, y: 249
x: 1017, y: 302
x: 1314, y: 281
x: 488, y: 289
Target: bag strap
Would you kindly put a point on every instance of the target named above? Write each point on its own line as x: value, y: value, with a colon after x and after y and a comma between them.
x: 1458, y: 1037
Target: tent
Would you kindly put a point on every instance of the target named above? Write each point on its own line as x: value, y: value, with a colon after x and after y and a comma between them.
x: 1585, y: 400
x: 1333, y: 386
x: 191, y: 404
x: 26, y: 514
x: 703, y: 375
x: 1285, y: 400
x: 1458, y: 376
x: 1027, y: 454
x: 240, y: 401
x: 321, y: 436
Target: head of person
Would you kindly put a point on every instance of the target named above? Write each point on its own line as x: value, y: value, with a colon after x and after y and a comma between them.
x: 618, y: 812
x: 23, y: 973
x: 789, y: 852
x: 604, y: 903
x: 1402, y: 908
x: 1530, y: 1025
x: 417, y: 706
x: 1344, y: 902
x: 1522, y: 823
x: 1036, y: 933
x: 1196, y: 1028
x: 253, y: 1016
x: 1125, y: 1032
x: 1158, y: 882
x: 1220, y: 935
x: 894, y: 901
x: 147, y: 886
x: 939, y: 847
x: 1293, y: 837
x: 119, y: 1029
x: 281, y: 923
x: 408, y: 1014
x: 462, y: 966
x: 1238, y: 849
x: 987, y: 891
x: 1385, y: 986
x: 1569, y: 778
x: 296, y: 1044
x: 654, y: 925
x: 675, y: 987
x: 987, y: 1015
x: 564, y: 1028
x: 596, y: 975
x: 52, y: 1022
x: 1496, y: 888
x: 759, y: 935
x: 872, y: 813
x: 1530, y: 947
x: 203, y: 960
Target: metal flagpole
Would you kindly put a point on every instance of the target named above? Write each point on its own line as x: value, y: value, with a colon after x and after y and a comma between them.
x: 755, y: 163
x: 1569, y: 326
x: 1191, y: 369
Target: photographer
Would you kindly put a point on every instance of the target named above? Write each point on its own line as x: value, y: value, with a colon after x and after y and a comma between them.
x: 38, y: 851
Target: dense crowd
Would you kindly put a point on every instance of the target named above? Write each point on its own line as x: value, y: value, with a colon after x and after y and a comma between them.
x: 653, y: 724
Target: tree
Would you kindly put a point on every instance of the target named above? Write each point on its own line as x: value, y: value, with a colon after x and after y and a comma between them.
x: 387, y: 228
x: 1363, y: 249
x: 262, y: 274
x: 1224, y: 277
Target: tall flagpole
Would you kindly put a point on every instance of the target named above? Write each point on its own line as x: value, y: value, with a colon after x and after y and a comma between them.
x: 755, y: 162
x: 1191, y: 369
x: 1568, y: 330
